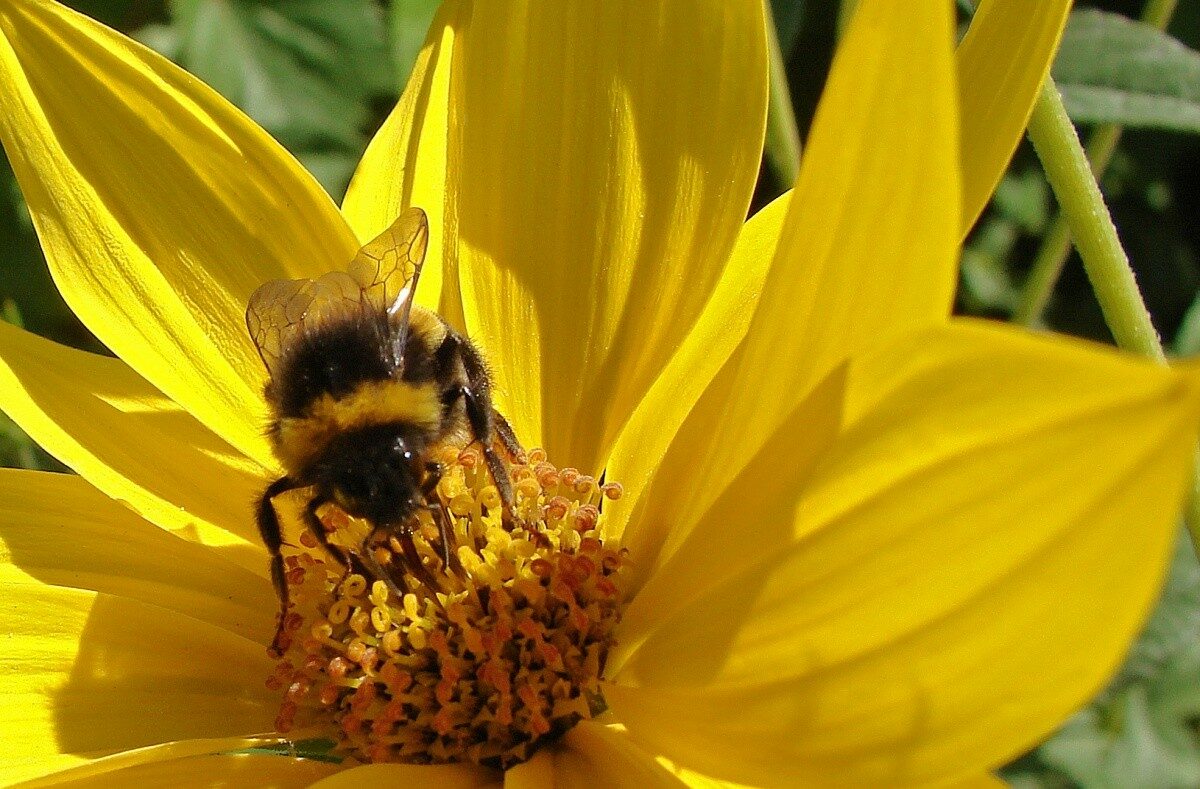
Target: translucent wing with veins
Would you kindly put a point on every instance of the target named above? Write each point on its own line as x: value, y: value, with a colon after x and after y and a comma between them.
x: 387, y: 268
x: 382, y: 277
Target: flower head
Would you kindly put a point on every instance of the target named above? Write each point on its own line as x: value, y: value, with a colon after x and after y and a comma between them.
x: 859, y: 541
x: 483, y: 661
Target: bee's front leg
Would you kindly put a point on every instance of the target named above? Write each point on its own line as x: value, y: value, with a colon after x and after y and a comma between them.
x: 437, y: 510
x: 272, y: 537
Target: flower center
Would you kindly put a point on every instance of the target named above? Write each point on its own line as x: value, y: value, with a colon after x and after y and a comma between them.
x: 503, y: 655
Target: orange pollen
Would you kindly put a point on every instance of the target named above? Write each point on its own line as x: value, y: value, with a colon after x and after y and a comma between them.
x: 500, y: 655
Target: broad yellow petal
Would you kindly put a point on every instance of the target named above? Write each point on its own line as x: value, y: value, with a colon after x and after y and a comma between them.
x: 100, y: 418
x: 965, y: 567
x: 85, y: 674
x: 592, y: 754
x: 80, y: 769
x: 868, y: 246
x: 405, y: 165
x: 204, y: 772
x: 1001, y: 64
x: 597, y: 184
x: 870, y: 243
x: 159, y: 205
x: 676, y: 559
x: 434, y: 776
x: 537, y: 773
x: 59, y: 530
x: 640, y: 448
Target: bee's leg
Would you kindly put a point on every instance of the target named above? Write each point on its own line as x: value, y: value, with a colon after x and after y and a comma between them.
x: 508, y: 439
x: 477, y: 399
x: 412, y: 559
x: 272, y: 537
x: 375, y: 570
x: 500, y: 476
x: 433, y: 475
x: 348, y: 560
x: 441, y: 517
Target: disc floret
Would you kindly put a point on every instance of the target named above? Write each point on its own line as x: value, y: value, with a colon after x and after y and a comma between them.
x: 501, y: 657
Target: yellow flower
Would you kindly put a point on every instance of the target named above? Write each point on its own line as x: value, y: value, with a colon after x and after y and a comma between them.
x: 871, y: 545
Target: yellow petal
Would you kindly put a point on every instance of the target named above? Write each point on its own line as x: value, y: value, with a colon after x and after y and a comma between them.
x: 983, y: 781
x: 596, y: 189
x: 103, y: 420
x: 592, y: 754
x: 677, y: 560
x: 1001, y: 64
x: 640, y: 448
x: 870, y: 244
x: 59, y: 530
x: 537, y: 773
x: 159, y: 205
x: 405, y: 165
x: 434, y: 776
x: 868, y: 248
x: 964, y: 568
x: 87, y: 768
x: 204, y: 772
x: 85, y: 674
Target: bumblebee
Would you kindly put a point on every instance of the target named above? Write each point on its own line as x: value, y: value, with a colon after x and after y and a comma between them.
x: 362, y: 383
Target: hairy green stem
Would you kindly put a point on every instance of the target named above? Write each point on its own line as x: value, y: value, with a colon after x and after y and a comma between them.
x: 783, y: 137
x: 1070, y: 175
x: 1056, y: 243
x: 1159, y: 13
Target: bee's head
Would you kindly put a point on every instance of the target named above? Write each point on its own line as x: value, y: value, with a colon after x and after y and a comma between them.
x: 374, y: 474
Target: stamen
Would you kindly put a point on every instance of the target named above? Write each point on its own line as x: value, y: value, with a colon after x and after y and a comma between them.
x: 482, y: 661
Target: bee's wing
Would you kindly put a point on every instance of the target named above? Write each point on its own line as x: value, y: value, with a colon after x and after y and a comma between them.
x: 382, y: 277
x: 284, y: 308
x: 388, y: 267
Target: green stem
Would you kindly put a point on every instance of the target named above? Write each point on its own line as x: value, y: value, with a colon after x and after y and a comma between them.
x: 783, y: 136
x: 1056, y: 243
x: 1070, y: 175
x: 1159, y: 12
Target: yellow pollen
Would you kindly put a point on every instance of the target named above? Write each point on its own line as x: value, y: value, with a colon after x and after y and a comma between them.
x: 502, y: 657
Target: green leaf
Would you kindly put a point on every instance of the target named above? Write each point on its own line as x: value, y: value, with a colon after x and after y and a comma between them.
x: 987, y: 286
x: 788, y: 15
x: 1024, y: 197
x: 1112, y: 69
x: 306, y: 70
x: 1187, y: 337
x: 1133, y: 754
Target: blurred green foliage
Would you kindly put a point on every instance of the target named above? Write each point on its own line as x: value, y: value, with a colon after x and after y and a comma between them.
x: 314, y: 74
x: 320, y: 75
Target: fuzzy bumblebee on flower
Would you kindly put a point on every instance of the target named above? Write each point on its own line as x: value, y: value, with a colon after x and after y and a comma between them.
x: 770, y: 515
